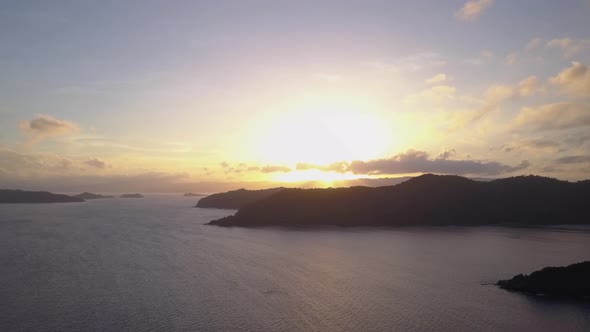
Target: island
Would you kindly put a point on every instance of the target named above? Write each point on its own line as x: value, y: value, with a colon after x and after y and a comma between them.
x: 571, y: 281
x: 23, y: 196
x: 427, y: 200
x: 131, y: 196
x: 87, y: 195
x: 236, y: 199
x: 193, y: 195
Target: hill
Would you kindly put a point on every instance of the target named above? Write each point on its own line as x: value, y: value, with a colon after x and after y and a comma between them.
x: 22, y: 196
x: 424, y: 200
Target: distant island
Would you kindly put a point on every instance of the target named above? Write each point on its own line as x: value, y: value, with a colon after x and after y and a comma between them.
x: 427, y: 200
x: 22, y: 196
x: 193, y: 195
x: 571, y: 281
x: 131, y: 196
x: 87, y: 195
x: 236, y: 199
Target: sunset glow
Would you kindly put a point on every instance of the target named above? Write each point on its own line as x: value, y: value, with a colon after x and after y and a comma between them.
x: 245, y: 94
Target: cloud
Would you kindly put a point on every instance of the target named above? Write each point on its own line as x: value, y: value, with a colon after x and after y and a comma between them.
x: 472, y: 9
x: 412, y: 62
x: 556, y: 116
x: 436, y: 94
x: 574, y: 80
x: 534, y: 44
x: 533, y: 145
x: 498, y: 94
x: 512, y: 58
x: 570, y: 47
x: 96, y: 163
x: 44, y: 126
x: 414, y: 161
x: 438, y: 78
x: 274, y: 169
x: 17, y: 163
x: 573, y: 160
x: 339, y: 167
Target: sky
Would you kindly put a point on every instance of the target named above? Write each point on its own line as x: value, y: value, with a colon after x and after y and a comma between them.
x: 209, y: 95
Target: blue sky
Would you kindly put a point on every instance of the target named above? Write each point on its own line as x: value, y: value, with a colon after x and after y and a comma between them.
x: 180, y: 87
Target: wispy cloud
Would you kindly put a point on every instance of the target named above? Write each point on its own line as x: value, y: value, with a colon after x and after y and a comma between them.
x: 569, y: 47
x: 574, y: 80
x: 472, y: 9
x: 438, y: 78
x: 558, y: 116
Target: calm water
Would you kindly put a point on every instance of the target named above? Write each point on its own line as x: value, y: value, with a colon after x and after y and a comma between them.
x: 150, y: 265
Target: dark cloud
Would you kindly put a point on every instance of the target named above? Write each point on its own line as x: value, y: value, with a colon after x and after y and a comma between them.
x: 47, y: 126
x: 96, y: 163
x: 573, y: 160
x: 420, y: 162
x: 274, y: 169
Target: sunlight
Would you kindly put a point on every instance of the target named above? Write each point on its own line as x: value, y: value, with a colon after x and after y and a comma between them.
x: 324, y: 134
x: 326, y: 179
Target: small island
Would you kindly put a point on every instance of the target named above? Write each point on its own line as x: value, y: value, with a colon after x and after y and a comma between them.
x: 131, y: 196
x: 23, y: 196
x: 87, y: 195
x: 193, y: 195
x: 571, y: 281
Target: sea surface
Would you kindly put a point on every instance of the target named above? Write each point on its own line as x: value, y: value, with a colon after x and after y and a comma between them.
x: 151, y: 265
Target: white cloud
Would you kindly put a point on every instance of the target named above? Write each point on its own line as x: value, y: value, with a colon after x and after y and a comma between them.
x: 574, y: 80
x: 472, y: 9
x: 570, y: 47
x: 436, y: 95
x: 498, y: 94
x: 438, y: 78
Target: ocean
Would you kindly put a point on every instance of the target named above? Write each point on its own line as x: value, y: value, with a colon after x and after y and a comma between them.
x: 152, y: 265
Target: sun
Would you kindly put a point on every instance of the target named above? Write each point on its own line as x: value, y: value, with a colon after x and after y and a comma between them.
x: 323, y: 134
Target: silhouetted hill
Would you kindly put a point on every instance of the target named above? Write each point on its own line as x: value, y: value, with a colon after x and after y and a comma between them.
x: 22, y: 196
x: 236, y: 199
x: 131, y: 196
x: 424, y: 200
x: 87, y: 195
x: 193, y: 195
x: 569, y: 281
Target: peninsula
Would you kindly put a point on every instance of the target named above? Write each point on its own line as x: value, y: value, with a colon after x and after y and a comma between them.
x: 427, y: 200
x: 569, y: 281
